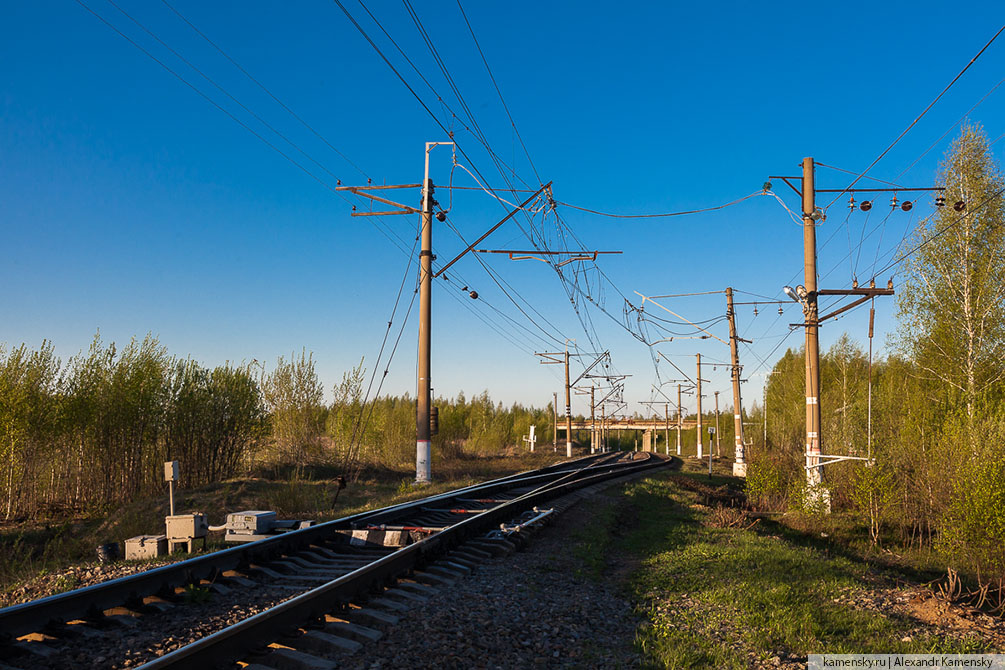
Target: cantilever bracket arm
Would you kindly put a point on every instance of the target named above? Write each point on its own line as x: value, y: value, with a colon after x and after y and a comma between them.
x: 492, y: 229
x: 362, y: 190
x: 837, y: 459
x: 591, y: 366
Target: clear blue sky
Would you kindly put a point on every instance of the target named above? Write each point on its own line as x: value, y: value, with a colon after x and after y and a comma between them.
x: 130, y: 204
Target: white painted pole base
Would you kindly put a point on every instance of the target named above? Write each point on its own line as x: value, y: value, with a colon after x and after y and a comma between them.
x: 568, y: 449
x: 422, y: 459
x: 739, y: 469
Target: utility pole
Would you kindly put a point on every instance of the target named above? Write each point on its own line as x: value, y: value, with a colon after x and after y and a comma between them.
x: 593, y: 419
x: 568, y: 407
x: 807, y: 296
x: 422, y: 449
x: 814, y: 473
x: 666, y: 429
x: 718, y: 446
x: 680, y: 419
x: 739, y: 458
x: 554, y: 422
x: 549, y: 358
x: 698, y: 432
x: 603, y: 428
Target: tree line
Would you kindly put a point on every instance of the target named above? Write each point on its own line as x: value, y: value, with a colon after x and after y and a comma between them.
x: 95, y: 431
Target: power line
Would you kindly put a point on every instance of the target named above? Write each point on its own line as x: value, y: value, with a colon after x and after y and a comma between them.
x: 389, y: 233
x: 209, y: 99
x: 837, y: 169
x: 663, y: 214
x: 223, y: 90
x: 496, y: 85
x: 265, y: 89
x: 950, y: 129
x: 960, y: 218
x: 925, y: 111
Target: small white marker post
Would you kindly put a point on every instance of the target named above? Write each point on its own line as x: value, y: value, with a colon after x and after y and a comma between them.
x: 711, y: 432
x: 171, y: 476
x: 532, y: 440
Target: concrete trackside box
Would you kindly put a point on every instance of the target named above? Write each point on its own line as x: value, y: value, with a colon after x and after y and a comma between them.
x: 146, y: 546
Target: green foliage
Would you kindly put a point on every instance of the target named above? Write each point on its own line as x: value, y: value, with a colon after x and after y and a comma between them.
x: 767, y: 483
x: 96, y: 431
x: 294, y: 400
x: 974, y: 526
x: 952, y: 303
x: 875, y: 495
x: 197, y: 595
x: 813, y: 501
x: 712, y: 595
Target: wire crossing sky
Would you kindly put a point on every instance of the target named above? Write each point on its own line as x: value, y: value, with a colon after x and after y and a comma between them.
x: 172, y: 168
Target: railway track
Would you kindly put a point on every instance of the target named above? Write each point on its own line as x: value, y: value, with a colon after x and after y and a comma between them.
x: 301, y: 598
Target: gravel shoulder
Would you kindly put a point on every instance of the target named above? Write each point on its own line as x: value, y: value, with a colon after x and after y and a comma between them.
x: 537, y: 608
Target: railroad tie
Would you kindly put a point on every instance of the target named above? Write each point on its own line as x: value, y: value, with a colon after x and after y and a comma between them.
x: 352, y: 631
x: 326, y: 643
x: 284, y: 658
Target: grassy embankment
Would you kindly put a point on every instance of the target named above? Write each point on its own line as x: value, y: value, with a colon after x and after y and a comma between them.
x: 30, y: 549
x: 714, y: 589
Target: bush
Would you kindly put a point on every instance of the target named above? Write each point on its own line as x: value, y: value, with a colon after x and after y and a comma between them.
x: 767, y: 485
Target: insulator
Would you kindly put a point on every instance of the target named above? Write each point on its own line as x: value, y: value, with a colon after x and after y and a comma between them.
x: 959, y: 206
x: 779, y: 310
x: 474, y: 295
x: 907, y: 206
x: 866, y: 205
x: 893, y: 200
x: 940, y: 201
x: 755, y: 310
x: 851, y: 203
x: 441, y: 216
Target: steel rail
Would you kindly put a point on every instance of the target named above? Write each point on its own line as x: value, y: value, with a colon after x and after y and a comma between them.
x: 246, y: 637
x: 89, y: 602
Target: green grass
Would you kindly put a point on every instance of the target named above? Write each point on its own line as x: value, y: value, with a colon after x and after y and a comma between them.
x: 712, y: 596
x: 592, y: 543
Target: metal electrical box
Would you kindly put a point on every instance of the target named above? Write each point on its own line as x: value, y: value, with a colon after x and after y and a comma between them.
x: 171, y: 472
x: 146, y: 546
x: 250, y: 523
x: 186, y: 526
x: 258, y: 525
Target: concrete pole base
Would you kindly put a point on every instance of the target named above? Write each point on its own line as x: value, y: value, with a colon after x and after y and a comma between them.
x: 739, y: 469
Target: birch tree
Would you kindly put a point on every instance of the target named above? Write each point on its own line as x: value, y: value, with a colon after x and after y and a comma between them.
x: 952, y: 303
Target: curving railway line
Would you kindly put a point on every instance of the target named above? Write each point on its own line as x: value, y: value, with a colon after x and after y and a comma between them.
x: 301, y: 599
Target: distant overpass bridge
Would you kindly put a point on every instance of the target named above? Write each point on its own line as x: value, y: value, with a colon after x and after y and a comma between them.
x: 650, y: 429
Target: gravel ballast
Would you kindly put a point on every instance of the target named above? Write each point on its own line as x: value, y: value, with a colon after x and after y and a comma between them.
x: 530, y: 609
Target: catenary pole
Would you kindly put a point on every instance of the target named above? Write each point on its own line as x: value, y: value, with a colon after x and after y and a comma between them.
x: 698, y: 440
x: 814, y: 473
x: 554, y: 421
x: 422, y: 449
x: 739, y: 457
x: 680, y: 418
x: 718, y: 445
x: 568, y: 407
